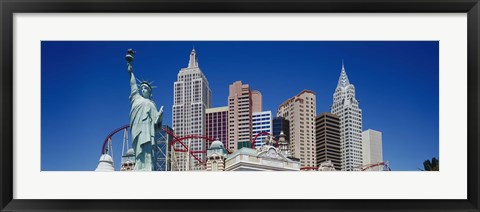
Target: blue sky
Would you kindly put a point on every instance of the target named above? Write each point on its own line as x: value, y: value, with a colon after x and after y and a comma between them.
x: 85, y: 88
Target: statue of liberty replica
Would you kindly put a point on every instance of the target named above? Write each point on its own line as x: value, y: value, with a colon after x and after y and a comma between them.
x: 145, y: 120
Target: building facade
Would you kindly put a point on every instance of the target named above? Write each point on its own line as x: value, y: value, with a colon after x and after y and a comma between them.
x: 261, y: 122
x: 300, y: 110
x: 217, y: 124
x: 372, y: 147
x: 266, y: 158
x: 256, y: 102
x: 327, y: 130
x: 280, y: 124
x: 192, y: 96
x: 128, y: 161
x: 239, y: 115
x: 216, y: 155
x: 346, y: 107
x: 283, y: 144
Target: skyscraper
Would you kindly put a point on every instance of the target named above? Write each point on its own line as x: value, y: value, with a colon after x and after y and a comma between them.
x: 192, y: 96
x: 372, y: 147
x: 281, y: 131
x: 239, y: 115
x: 256, y: 102
x: 261, y: 122
x: 280, y: 124
x: 345, y: 106
x: 217, y: 124
x: 300, y: 110
x: 327, y: 128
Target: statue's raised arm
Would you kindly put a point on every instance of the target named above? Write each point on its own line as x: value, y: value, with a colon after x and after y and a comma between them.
x: 133, y: 84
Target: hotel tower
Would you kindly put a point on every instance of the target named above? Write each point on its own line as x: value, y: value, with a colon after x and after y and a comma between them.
x: 327, y: 129
x: 345, y: 106
x: 239, y: 115
x: 191, y: 97
x: 372, y: 147
x: 300, y: 111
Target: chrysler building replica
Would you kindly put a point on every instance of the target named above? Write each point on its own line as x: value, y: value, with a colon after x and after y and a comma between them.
x: 191, y: 97
x: 345, y: 106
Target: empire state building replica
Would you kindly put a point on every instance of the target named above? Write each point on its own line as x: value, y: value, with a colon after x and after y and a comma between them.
x: 345, y: 106
x: 192, y: 95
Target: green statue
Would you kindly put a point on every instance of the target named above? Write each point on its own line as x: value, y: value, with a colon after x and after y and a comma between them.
x: 144, y: 119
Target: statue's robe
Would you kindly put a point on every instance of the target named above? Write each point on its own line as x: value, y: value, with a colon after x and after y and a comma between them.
x: 143, y: 118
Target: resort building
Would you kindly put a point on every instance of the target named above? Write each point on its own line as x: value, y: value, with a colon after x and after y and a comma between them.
x: 280, y: 124
x: 283, y: 144
x: 239, y: 115
x: 128, y: 161
x: 300, y: 110
x: 346, y: 107
x: 261, y: 122
x: 266, y: 158
x: 372, y: 147
x: 256, y: 102
x: 192, y: 96
x: 327, y: 129
x: 217, y: 124
x: 216, y: 155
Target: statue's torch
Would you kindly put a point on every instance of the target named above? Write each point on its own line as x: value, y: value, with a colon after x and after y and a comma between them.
x: 129, y: 57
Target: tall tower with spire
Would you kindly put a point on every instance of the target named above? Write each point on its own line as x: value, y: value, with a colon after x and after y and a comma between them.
x: 346, y: 107
x: 191, y: 97
x: 193, y: 62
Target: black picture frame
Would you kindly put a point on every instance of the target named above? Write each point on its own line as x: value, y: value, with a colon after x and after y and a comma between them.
x: 9, y: 7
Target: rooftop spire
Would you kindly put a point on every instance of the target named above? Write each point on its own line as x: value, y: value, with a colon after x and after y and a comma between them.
x: 343, y: 80
x: 193, y: 63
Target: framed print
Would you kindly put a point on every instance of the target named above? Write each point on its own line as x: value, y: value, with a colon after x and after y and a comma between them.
x: 266, y: 105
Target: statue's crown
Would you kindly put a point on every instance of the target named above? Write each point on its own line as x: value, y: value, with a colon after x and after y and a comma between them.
x: 147, y: 83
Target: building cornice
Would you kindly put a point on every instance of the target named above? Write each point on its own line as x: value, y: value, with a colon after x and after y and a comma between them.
x: 295, y: 97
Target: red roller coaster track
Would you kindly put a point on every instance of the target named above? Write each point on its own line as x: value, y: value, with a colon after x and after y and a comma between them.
x: 176, y: 140
x: 209, y: 140
x: 374, y: 165
x: 307, y: 168
x: 111, y: 134
x: 180, y: 140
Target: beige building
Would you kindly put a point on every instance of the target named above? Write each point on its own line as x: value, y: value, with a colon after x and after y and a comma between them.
x: 256, y: 102
x: 239, y: 115
x: 300, y: 110
x: 372, y: 147
x: 327, y: 129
